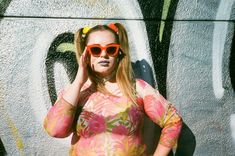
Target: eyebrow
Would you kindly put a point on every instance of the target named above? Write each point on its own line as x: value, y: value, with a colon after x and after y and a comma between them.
x: 111, y: 43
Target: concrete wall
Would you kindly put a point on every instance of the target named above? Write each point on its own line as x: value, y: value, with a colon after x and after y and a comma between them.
x: 186, y: 46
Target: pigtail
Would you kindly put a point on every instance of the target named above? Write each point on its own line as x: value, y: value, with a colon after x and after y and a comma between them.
x: 122, y: 35
x: 125, y: 74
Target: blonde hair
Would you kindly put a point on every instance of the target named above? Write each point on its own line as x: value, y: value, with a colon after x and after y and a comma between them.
x: 124, y: 73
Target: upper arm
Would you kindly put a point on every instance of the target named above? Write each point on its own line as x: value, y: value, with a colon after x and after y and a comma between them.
x: 157, y: 108
x: 155, y: 105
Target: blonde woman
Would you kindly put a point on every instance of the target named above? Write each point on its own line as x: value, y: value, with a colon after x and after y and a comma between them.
x: 112, y: 101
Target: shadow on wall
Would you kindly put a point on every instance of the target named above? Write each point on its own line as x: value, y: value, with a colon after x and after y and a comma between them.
x: 60, y: 51
x: 186, y: 142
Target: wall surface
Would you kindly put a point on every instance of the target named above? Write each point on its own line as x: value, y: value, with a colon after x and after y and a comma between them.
x: 186, y: 48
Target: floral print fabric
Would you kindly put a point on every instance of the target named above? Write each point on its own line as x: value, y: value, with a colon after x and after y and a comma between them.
x: 111, y: 126
x: 123, y: 123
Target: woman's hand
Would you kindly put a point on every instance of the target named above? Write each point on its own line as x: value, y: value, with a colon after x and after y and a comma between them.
x: 162, y: 150
x: 82, y: 74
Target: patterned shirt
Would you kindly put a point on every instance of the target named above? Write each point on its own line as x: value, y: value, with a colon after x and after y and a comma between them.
x: 111, y: 125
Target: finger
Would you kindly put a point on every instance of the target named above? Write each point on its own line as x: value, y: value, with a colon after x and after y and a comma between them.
x: 81, y: 61
x: 85, y: 52
x: 83, y: 55
x: 86, y: 55
x: 81, y: 58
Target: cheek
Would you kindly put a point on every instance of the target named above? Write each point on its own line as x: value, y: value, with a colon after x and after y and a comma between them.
x: 92, y: 60
x: 114, y: 61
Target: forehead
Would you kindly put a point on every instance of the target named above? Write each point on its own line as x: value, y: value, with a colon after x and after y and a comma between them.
x: 103, y: 37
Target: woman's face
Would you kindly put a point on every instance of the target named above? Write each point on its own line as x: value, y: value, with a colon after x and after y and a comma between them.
x: 104, y: 64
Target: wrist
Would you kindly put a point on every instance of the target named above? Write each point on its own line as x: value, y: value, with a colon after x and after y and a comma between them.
x: 78, y: 82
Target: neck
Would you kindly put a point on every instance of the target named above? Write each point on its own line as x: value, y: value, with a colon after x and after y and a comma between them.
x: 108, y: 78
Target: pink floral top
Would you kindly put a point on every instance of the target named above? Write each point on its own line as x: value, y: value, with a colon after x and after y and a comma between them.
x: 111, y: 126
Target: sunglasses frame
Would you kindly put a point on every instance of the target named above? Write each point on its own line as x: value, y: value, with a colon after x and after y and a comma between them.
x: 103, y: 48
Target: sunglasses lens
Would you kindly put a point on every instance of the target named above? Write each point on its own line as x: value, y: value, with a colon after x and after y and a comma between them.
x: 95, y: 51
x: 111, y: 50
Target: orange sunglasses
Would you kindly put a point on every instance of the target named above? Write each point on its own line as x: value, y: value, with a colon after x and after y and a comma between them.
x: 96, y: 49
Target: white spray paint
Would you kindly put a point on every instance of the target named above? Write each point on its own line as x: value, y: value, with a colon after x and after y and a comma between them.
x: 219, y: 38
x: 38, y: 76
x: 232, y: 126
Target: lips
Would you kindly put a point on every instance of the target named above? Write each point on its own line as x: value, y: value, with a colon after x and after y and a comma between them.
x: 103, y: 62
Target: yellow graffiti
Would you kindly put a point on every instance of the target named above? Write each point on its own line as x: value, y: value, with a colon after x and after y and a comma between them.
x: 12, y: 127
x: 15, y: 133
x: 63, y: 47
x: 165, y: 11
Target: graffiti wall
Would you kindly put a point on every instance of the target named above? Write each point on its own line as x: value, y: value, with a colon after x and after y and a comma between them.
x: 185, y: 48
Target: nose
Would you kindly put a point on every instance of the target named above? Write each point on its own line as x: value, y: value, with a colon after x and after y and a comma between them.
x: 103, y: 53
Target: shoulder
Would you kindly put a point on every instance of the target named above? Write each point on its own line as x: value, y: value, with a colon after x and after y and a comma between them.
x: 144, y: 88
x: 141, y: 86
x: 141, y: 83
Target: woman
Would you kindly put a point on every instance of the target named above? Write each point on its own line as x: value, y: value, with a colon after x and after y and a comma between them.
x: 113, y: 102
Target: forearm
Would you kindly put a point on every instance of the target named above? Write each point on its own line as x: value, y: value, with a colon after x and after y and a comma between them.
x: 71, y: 95
x: 169, y: 137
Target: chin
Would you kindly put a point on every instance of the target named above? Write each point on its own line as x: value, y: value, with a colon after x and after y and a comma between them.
x: 103, y: 74
x: 104, y: 71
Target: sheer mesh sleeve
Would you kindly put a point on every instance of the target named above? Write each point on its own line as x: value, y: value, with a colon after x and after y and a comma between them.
x: 162, y: 112
x: 59, y: 120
